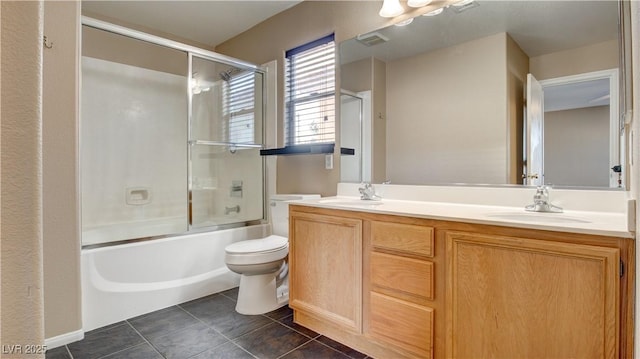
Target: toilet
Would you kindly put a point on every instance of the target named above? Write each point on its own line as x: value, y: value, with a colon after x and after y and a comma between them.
x: 264, y: 284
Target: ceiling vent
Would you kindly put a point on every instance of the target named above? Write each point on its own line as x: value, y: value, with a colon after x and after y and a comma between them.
x: 371, y: 39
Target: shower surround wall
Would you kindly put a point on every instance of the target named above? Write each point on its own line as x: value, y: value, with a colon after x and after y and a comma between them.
x: 145, y: 173
x: 133, y: 152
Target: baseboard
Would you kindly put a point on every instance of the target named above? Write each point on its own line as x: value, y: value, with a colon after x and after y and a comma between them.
x: 64, y: 339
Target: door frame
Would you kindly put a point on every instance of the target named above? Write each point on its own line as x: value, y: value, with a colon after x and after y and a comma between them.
x: 616, y: 153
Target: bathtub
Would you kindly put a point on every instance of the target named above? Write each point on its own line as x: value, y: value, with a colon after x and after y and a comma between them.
x: 127, y: 280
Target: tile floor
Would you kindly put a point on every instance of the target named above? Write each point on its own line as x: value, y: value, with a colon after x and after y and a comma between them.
x: 205, y: 328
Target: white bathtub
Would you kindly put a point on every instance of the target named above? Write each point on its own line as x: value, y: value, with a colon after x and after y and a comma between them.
x: 127, y: 280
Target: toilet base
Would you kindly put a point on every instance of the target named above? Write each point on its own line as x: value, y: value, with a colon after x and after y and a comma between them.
x: 258, y: 294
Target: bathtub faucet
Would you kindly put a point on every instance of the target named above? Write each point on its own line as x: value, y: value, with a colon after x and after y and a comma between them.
x: 235, y: 208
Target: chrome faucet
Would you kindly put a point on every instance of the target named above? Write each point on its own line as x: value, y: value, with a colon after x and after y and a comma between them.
x: 541, y: 202
x: 368, y: 192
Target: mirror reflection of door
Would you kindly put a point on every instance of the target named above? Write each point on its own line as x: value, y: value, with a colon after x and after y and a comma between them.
x: 355, y: 132
x: 580, y: 130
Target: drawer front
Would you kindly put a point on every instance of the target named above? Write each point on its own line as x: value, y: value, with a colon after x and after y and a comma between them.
x: 408, y: 238
x: 406, y: 325
x: 402, y: 277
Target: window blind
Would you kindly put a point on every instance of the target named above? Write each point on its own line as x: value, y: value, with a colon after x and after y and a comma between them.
x: 310, y: 93
x: 239, y: 108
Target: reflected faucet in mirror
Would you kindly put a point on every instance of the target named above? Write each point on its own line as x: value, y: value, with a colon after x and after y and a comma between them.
x: 541, y: 202
x: 368, y: 192
x: 457, y: 100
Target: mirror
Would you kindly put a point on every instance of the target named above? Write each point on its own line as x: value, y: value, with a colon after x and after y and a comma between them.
x: 448, y: 93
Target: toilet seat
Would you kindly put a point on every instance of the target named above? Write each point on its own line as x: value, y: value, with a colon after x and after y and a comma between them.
x: 254, y: 251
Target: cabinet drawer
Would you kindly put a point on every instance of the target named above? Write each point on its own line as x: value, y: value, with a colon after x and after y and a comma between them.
x: 408, y: 238
x: 402, y: 277
x: 406, y: 325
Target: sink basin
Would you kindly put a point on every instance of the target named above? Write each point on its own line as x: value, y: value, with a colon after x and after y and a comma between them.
x: 538, y: 217
x: 350, y: 202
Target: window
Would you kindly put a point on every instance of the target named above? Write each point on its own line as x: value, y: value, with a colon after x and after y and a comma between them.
x: 239, y: 108
x: 310, y: 93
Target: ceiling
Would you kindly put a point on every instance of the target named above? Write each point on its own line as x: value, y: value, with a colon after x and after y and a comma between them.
x: 539, y: 27
x: 208, y: 22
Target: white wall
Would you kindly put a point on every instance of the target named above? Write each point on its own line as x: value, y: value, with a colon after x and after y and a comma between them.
x: 351, y: 137
x: 134, y: 133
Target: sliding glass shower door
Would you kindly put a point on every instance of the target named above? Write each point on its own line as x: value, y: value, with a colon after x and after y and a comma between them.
x: 169, y: 140
x: 225, y: 138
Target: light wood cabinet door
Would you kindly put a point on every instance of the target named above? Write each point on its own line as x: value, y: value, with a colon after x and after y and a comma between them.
x: 524, y: 298
x: 325, y: 259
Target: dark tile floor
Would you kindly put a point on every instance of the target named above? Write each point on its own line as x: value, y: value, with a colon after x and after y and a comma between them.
x: 205, y: 328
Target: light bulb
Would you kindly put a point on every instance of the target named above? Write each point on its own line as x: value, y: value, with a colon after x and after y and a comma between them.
x: 391, y: 8
x: 418, y: 3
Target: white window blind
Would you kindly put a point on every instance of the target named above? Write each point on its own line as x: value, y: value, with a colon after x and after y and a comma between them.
x: 310, y: 93
x: 239, y: 108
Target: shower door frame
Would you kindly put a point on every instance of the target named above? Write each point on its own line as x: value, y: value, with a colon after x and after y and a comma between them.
x: 207, y: 55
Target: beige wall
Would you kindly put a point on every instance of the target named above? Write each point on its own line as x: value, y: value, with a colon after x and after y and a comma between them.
x: 447, y: 115
x: 108, y: 46
x: 634, y: 144
x: 60, y: 170
x: 379, y: 120
x: 269, y: 40
x: 596, y: 57
x: 567, y: 160
x: 146, y: 29
x: 358, y: 75
x: 21, y: 175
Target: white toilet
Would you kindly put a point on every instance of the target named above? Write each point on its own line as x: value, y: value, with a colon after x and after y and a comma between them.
x: 264, y: 284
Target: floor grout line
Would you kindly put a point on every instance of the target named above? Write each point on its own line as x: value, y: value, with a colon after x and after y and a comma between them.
x: 334, y: 349
x: 68, y: 351
x: 145, y: 339
x: 296, y: 348
x: 278, y: 318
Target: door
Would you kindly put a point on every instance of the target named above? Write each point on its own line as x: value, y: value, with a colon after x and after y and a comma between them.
x: 534, y: 133
x: 325, y: 268
x: 526, y: 298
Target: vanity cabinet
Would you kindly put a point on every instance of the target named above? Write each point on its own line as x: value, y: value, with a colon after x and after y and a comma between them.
x: 325, y: 268
x: 525, y: 298
x: 401, y: 287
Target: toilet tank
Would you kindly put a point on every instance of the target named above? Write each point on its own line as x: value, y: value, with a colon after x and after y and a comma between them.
x: 279, y: 211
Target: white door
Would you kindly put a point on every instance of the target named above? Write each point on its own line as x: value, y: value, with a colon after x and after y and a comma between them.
x: 534, y: 119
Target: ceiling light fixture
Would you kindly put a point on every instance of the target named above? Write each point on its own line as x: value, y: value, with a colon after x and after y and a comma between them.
x: 418, y: 3
x: 391, y: 8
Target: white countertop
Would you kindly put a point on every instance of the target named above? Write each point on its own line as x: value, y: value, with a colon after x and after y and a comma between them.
x: 587, y: 222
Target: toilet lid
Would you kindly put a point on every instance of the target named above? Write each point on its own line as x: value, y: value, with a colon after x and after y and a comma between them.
x: 268, y: 244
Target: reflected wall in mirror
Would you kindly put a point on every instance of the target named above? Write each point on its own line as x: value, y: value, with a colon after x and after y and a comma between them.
x: 448, y: 91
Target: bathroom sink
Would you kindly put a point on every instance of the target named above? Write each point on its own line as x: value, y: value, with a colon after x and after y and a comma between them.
x: 537, y: 217
x: 350, y: 202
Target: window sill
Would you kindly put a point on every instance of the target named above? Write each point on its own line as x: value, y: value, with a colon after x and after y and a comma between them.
x: 321, y: 148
